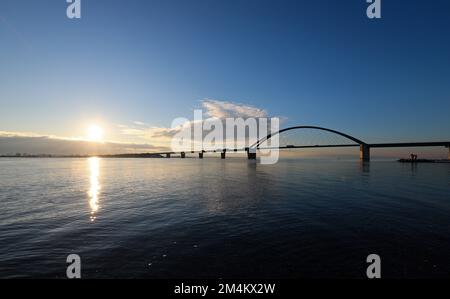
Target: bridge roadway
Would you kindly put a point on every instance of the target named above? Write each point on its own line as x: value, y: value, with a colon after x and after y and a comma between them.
x: 364, y: 147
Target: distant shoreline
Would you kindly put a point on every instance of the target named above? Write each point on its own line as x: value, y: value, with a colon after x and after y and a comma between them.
x: 160, y: 156
x: 144, y: 155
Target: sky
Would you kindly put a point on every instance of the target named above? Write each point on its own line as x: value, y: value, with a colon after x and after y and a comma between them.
x: 132, y: 67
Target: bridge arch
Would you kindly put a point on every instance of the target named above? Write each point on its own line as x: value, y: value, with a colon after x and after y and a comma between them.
x: 259, y: 142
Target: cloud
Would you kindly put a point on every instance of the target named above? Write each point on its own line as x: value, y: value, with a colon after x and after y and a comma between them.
x: 140, y: 123
x: 163, y: 132
x: 12, y: 143
x: 18, y: 134
x: 224, y: 109
x: 212, y: 109
x: 154, y: 135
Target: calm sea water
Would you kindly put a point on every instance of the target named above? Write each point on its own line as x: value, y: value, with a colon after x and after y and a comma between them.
x: 173, y: 218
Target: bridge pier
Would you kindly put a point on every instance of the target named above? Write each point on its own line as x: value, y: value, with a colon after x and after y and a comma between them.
x: 168, y: 156
x: 183, y: 155
x: 364, y: 152
x: 251, y: 154
x: 200, y: 155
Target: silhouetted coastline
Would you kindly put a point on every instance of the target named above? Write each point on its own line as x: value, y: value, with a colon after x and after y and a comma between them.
x: 143, y: 155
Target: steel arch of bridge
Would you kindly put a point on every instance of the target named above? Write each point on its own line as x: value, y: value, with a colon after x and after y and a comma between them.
x: 259, y: 142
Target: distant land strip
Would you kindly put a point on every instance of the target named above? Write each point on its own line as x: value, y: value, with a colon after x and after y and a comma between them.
x: 143, y: 155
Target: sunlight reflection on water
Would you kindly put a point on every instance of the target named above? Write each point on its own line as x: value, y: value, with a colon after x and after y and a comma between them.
x: 94, y: 189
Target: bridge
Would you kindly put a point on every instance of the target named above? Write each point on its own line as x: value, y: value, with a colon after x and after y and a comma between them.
x: 345, y: 141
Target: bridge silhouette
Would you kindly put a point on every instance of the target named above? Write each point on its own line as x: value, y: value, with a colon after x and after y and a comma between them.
x: 364, y: 148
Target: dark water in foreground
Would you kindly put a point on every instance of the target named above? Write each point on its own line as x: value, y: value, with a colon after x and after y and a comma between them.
x: 152, y: 218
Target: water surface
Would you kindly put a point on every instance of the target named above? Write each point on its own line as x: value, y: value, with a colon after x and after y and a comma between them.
x: 173, y: 218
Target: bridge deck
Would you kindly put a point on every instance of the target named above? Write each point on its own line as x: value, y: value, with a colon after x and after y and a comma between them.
x: 410, y: 144
x: 375, y: 145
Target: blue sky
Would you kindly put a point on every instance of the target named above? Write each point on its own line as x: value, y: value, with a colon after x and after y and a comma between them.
x: 313, y: 62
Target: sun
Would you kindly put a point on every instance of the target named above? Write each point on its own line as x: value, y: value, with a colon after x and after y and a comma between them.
x: 95, y: 133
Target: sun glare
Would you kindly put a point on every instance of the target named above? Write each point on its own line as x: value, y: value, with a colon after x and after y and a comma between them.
x: 95, y: 133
